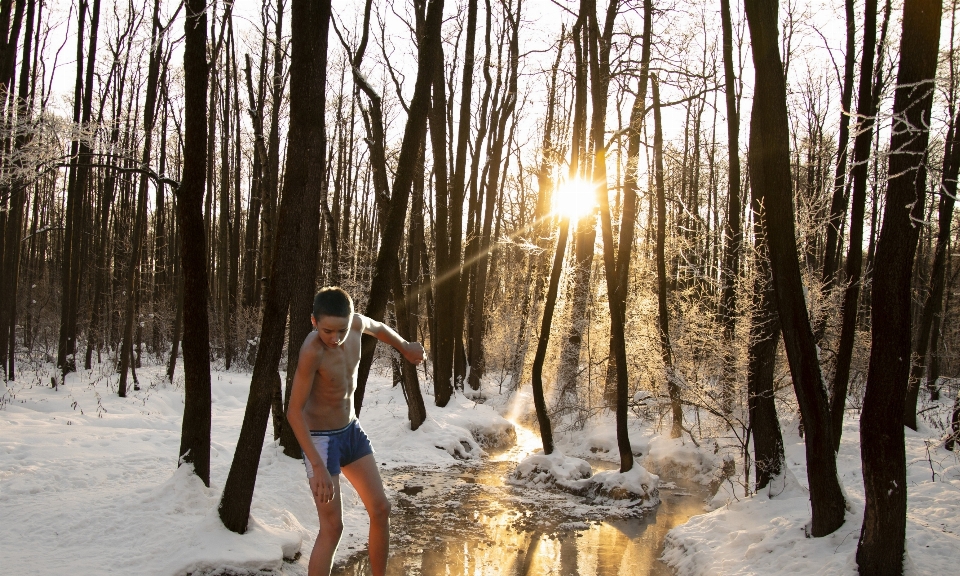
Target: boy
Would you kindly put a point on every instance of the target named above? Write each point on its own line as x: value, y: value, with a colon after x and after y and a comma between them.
x: 322, y: 418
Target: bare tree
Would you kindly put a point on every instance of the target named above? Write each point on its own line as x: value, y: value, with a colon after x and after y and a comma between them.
x: 770, y: 181
x: 881, y: 546
x: 195, y: 434
x: 296, y: 240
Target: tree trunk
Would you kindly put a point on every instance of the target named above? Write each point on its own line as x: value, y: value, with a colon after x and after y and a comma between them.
x: 600, y: 64
x: 373, y: 119
x: 272, y: 187
x: 258, y: 178
x: 770, y: 178
x: 733, y: 229
x: 76, y: 189
x: 447, y: 278
x: 195, y: 435
x: 838, y: 204
x: 866, y: 110
x: 546, y: 433
x: 297, y: 230
x: 663, y: 312
x: 493, y: 191
x: 140, y: 221
x: 934, y: 293
x: 586, y: 229
x: 471, y: 251
x: 764, y: 336
x: 10, y: 245
x: 387, y: 257
x: 881, y: 546
x: 447, y: 290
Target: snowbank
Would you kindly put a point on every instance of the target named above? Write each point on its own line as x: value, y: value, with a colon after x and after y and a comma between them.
x: 634, y: 487
x: 451, y: 431
x: 766, y: 533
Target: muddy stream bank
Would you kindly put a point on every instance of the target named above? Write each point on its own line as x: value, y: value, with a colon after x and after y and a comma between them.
x: 467, y: 520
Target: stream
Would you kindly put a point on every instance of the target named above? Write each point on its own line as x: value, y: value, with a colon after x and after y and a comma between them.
x: 467, y: 520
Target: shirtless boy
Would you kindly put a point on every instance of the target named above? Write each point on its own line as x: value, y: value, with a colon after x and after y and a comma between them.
x: 322, y: 417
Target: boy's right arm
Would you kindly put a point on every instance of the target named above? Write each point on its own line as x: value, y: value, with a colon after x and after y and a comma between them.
x: 321, y: 484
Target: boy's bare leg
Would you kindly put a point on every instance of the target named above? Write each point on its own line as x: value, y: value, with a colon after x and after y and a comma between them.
x: 365, y: 477
x: 331, y: 527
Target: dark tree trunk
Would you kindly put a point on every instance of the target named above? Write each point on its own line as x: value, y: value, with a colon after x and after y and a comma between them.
x: 296, y: 241
x: 881, y: 546
x: 540, y: 226
x: 733, y: 229
x: 600, y: 65
x: 195, y: 435
x: 450, y: 274
x: 764, y: 335
x: 838, y: 203
x: 233, y: 281
x: 225, y: 261
x: 866, y: 109
x: 934, y: 293
x: 140, y: 221
x: 373, y: 119
x: 663, y: 312
x: 447, y: 278
x: 272, y: 185
x: 586, y: 232
x: 493, y: 192
x: 546, y: 433
x: 770, y: 181
x: 259, y: 179
x: 10, y: 244
x: 76, y: 190
x: 391, y: 239
x: 630, y: 187
x: 471, y: 251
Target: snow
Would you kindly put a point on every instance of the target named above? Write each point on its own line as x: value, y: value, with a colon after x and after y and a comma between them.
x: 549, y: 469
x: 89, y: 482
x: 766, y: 533
x: 634, y: 487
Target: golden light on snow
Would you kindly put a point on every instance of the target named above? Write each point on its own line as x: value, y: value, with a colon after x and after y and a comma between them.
x: 574, y: 199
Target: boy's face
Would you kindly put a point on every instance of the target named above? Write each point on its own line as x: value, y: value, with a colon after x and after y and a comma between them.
x: 331, y: 329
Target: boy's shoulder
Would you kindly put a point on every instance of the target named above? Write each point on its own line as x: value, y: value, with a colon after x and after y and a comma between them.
x: 312, y: 345
x: 358, y: 322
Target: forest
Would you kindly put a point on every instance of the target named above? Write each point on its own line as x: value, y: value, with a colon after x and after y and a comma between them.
x: 727, y: 225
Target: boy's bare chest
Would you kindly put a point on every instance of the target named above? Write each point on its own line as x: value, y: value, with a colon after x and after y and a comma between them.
x: 337, y: 368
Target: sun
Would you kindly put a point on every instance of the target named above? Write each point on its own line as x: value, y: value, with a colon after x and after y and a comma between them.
x: 574, y: 199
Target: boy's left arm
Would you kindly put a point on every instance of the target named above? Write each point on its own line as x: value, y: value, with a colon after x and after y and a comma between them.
x: 412, y: 351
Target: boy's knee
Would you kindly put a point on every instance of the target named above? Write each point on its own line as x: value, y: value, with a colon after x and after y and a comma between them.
x: 380, y: 509
x: 331, y: 527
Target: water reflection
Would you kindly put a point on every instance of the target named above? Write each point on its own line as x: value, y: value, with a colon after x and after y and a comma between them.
x: 468, y: 523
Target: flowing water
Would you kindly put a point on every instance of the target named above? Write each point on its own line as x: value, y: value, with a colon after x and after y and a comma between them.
x: 468, y: 521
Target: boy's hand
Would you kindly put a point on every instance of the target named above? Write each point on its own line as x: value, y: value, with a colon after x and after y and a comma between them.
x: 413, y: 352
x: 321, y: 484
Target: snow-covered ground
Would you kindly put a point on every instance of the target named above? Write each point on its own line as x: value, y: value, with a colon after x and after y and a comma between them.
x: 765, y: 534
x: 89, y: 483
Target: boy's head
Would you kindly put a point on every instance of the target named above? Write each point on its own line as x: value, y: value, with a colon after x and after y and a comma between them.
x: 332, y: 312
x: 332, y: 301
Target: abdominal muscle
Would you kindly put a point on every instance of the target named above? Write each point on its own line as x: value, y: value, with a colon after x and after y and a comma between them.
x: 330, y: 404
x: 328, y: 409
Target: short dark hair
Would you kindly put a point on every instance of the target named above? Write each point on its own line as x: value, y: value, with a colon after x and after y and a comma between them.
x: 332, y: 301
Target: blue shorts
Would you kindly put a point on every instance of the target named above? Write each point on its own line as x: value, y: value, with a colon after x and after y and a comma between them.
x: 339, y: 448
